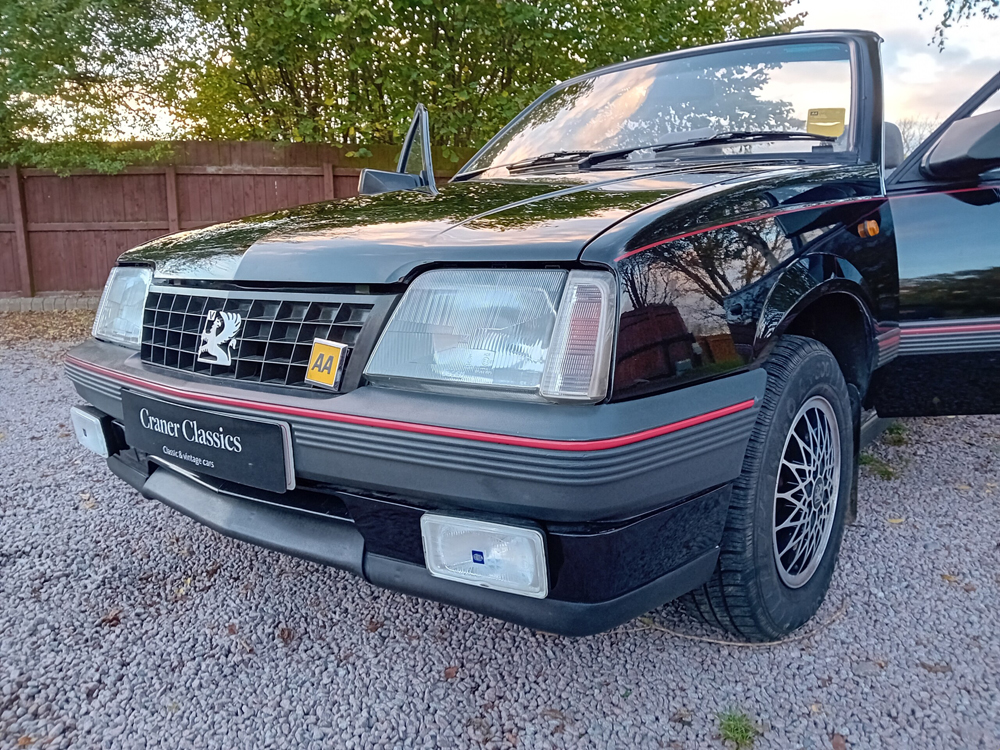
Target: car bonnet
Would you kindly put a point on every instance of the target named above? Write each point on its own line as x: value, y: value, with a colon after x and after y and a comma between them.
x: 382, y: 239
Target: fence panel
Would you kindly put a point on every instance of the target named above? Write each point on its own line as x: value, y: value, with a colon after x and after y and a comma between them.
x: 9, y: 274
x: 75, y: 227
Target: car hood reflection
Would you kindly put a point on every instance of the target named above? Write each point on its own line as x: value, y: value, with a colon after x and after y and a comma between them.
x: 382, y: 239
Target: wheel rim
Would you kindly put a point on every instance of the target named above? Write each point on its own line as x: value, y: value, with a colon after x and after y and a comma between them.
x: 806, y: 492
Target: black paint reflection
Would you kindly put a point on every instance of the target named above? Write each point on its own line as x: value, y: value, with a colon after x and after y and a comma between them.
x: 706, y: 303
x: 375, y: 239
x: 949, y: 254
x: 682, y: 316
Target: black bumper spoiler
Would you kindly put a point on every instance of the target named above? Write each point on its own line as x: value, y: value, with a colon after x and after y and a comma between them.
x: 338, y: 543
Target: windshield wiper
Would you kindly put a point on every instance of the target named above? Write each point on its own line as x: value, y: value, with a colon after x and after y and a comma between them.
x: 733, y: 136
x: 550, y: 157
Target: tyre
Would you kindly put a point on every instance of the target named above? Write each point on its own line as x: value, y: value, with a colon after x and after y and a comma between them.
x: 788, y: 507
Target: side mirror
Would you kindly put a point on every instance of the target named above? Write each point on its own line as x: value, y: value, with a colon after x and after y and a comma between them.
x: 968, y: 148
x: 415, y: 171
x: 375, y: 181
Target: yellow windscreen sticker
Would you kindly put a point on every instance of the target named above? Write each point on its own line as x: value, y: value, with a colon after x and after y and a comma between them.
x: 826, y: 121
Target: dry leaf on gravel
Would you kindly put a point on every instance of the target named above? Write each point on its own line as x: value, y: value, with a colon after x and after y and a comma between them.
x: 839, y: 742
x: 949, y: 578
x: 683, y: 717
x: 935, y: 668
x: 450, y: 673
x: 286, y: 635
x: 112, y: 619
x: 373, y: 625
x: 896, y: 520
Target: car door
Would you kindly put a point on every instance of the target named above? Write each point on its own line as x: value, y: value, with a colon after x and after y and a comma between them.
x: 945, y: 205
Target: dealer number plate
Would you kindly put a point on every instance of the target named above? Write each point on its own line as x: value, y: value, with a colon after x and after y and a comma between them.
x: 244, y: 450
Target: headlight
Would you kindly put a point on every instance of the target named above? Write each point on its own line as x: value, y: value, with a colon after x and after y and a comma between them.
x: 534, y: 335
x: 119, y: 316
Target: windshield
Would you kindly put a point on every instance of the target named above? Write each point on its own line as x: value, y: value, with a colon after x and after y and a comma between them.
x: 790, y: 87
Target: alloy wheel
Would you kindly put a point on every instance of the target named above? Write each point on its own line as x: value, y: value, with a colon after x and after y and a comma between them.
x: 806, y: 492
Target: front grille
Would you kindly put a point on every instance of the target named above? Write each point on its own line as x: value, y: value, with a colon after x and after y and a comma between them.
x: 272, y: 343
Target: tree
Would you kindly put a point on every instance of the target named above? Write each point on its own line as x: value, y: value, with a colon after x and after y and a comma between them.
x: 80, y: 70
x: 350, y: 71
x: 956, y: 11
x: 341, y: 71
x: 915, y: 130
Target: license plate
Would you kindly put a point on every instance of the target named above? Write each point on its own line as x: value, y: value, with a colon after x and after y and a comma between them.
x: 239, y: 449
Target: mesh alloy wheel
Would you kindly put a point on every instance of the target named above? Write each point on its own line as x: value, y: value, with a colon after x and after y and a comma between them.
x: 787, y: 509
x: 806, y: 492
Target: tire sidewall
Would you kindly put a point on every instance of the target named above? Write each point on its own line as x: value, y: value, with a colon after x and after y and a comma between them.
x: 818, y: 374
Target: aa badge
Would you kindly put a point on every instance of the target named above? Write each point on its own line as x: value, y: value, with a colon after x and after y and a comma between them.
x: 326, y: 363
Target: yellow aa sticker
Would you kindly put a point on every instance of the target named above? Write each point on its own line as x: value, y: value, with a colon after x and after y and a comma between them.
x: 326, y: 362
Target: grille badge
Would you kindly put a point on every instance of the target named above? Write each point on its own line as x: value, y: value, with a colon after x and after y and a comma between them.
x: 216, y: 344
x: 272, y: 345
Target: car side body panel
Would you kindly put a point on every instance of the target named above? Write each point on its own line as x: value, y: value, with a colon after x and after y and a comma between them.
x: 949, y: 307
x: 949, y: 267
x: 709, y: 278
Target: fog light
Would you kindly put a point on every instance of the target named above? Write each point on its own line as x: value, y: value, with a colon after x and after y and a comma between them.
x: 504, y: 558
x: 89, y: 430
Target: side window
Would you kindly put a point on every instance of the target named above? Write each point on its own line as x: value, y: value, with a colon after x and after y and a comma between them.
x: 415, y: 161
x: 415, y: 158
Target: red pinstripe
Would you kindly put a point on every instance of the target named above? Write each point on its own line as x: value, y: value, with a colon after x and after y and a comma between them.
x: 948, y: 329
x: 425, y: 429
x: 744, y: 220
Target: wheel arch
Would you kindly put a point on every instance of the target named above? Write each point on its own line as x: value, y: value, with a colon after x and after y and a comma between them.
x: 826, y: 299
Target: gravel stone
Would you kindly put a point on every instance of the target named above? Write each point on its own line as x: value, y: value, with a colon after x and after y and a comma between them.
x: 125, y: 624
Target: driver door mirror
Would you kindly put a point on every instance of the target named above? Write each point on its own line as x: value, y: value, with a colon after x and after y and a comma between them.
x: 415, y: 171
x: 965, y: 150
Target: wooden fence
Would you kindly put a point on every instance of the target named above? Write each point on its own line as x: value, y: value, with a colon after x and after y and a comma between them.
x: 64, y: 233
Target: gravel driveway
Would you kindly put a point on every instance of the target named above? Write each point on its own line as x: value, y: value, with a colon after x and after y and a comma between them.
x: 124, y: 624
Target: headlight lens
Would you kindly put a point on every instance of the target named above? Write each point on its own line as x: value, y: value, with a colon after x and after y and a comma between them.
x: 119, y: 316
x: 533, y: 335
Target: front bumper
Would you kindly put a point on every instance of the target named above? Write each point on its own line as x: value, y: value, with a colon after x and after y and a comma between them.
x: 629, y: 523
x: 341, y: 544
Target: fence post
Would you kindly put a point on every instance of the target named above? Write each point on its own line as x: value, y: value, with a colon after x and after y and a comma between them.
x: 21, y: 231
x: 329, y: 186
x: 173, y: 219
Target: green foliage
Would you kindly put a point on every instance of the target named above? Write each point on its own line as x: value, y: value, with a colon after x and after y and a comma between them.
x: 77, y: 70
x: 895, y: 435
x: 877, y: 467
x: 351, y: 71
x: 736, y: 727
x: 339, y: 71
x: 63, y: 157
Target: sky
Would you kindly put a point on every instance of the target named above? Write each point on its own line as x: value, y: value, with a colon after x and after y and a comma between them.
x: 919, y: 81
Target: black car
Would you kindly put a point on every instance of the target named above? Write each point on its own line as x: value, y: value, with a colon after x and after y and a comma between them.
x: 622, y: 356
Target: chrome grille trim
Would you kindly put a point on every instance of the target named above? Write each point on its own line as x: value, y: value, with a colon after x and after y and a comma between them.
x: 274, y: 339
